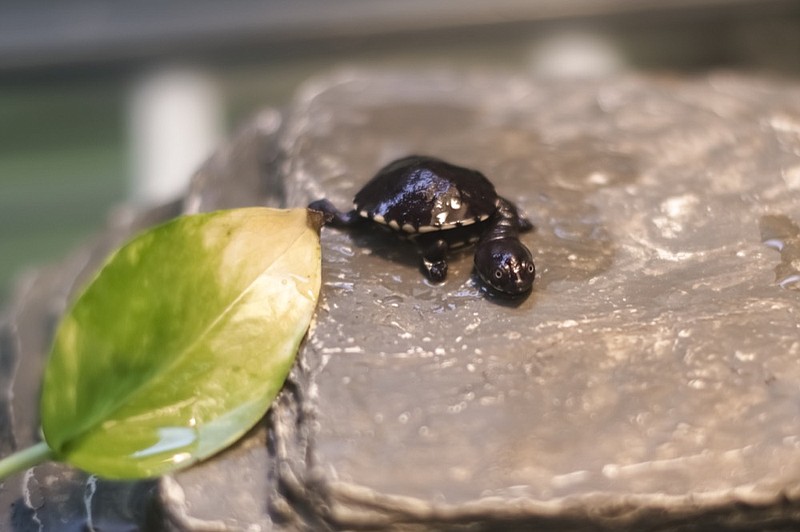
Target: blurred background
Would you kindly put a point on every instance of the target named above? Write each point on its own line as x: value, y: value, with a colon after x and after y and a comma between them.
x: 109, y: 102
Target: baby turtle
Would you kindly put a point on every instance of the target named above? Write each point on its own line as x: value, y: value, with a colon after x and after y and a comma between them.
x: 440, y: 206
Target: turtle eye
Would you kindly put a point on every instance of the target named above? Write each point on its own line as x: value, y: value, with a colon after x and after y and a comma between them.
x: 498, y: 274
x: 530, y: 268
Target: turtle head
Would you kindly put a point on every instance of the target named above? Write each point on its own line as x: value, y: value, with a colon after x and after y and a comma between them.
x: 505, y: 265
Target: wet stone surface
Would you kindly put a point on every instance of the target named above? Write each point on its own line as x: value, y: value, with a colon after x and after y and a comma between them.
x: 650, y: 377
x: 651, y: 380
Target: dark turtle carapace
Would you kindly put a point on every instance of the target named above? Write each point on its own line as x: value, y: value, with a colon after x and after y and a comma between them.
x: 439, y: 206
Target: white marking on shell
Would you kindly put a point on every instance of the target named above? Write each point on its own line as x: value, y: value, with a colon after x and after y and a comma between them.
x: 441, y: 218
x: 455, y: 203
x: 378, y: 218
x: 451, y: 225
x: 363, y: 214
x: 428, y: 229
x: 408, y: 228
x: 394, y: 225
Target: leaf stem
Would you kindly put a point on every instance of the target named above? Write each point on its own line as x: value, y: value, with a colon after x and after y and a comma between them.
x: 25, y: 459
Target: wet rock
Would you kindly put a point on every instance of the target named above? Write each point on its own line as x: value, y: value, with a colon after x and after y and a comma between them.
x: 649, y: 381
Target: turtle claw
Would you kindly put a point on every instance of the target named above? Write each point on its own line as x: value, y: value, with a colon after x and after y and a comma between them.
x: 332, y: 215
x: 434, y: 258
x: 436, y: 271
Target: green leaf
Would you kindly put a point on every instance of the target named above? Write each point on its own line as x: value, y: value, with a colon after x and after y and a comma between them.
x: 181, y: 342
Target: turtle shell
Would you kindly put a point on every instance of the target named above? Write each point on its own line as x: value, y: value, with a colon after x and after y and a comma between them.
x: 419, y: 194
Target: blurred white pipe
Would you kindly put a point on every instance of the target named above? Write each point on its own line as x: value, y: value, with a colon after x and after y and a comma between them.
x: 575, y: 54
x: 176, y: 120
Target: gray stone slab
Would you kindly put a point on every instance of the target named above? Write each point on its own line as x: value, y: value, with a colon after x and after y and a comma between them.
x: 649, y: 380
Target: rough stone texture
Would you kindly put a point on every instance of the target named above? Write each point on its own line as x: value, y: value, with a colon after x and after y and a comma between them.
x: 650, y: 382
x: 650, y: 379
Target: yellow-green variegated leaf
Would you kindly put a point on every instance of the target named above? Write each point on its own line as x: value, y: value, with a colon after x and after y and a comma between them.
x: 182, y: 341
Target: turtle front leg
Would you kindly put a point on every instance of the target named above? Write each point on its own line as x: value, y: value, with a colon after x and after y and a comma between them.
x: 334, y: 216
x: 434, y: 259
